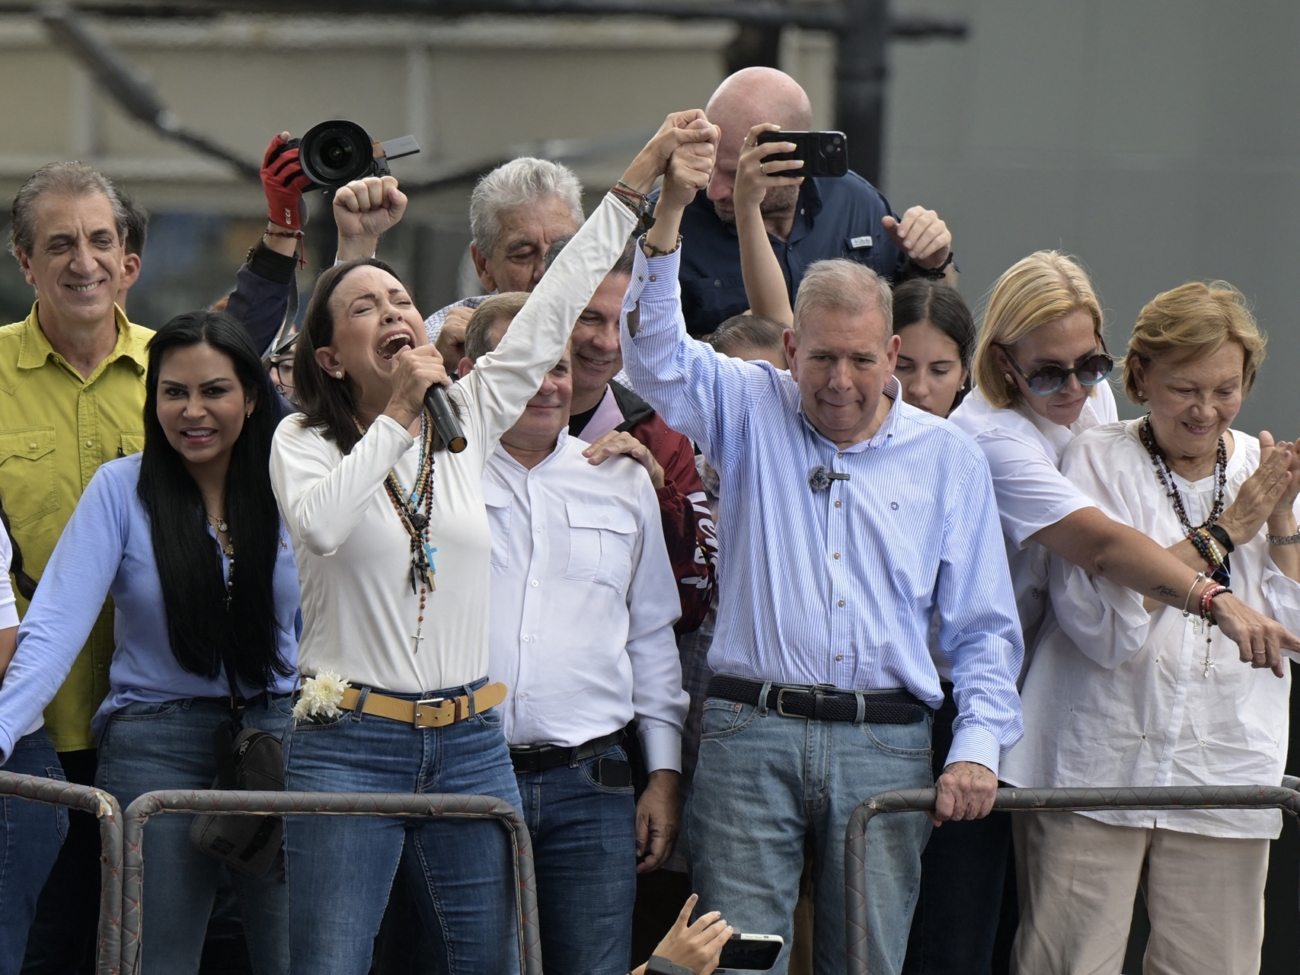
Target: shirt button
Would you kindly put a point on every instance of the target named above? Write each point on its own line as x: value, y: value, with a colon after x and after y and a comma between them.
x: 835, y: 556
x: 534, y: 583
x: 539, y: 529
x: 526, y: 639
x: 31, y: 446
x: 840, y: 603
x: 90, y: 443
x: 654, y: 277
x: 837, y: 504
x: 839, y: 455
x: 717, y: 284
x: 839, y: 656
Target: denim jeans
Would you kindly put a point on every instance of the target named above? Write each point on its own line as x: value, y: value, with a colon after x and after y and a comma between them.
x: 763, y: 783
x: 169, y: 746
x: 962, y: 872
x: 30, y: 836
x: 341, y: 868
x: 584, y: 847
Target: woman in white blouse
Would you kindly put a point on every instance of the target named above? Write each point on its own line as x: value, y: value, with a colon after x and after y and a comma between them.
x: 393, y: 544
x: 1040, y: 370
x: 1126, y: 692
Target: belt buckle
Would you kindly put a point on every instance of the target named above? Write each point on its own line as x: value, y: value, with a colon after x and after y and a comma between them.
x: 780, y: 701
x: 415, y: 721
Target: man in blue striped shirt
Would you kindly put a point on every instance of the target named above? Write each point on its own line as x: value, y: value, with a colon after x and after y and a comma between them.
x: 848, y: 522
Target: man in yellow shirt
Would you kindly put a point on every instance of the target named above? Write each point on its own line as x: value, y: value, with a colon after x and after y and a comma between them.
x: 71, y: 398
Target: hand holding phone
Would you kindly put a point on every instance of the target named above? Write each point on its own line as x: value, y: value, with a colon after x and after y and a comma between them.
x: 823, y: 153
x: 750, y: 952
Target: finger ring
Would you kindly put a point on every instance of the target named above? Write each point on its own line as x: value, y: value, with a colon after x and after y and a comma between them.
x: 1260, y: 653
x: 761, y: 169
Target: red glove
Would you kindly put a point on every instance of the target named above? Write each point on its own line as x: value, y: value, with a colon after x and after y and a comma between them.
x: 283, y: 181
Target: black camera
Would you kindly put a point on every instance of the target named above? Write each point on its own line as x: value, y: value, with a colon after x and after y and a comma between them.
x: 336, y: 152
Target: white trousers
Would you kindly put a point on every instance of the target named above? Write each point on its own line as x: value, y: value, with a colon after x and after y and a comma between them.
x: 1078, y: 879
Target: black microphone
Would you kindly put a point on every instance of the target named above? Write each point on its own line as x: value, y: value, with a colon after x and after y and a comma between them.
x: 444, y: 420
x: 819, y: 478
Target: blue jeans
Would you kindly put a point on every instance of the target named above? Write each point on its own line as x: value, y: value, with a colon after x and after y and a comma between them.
x: 30, y: 836
x: 169, y: 746
x: 763, y: 783
x: 584, y: 846
x: 341, y: 868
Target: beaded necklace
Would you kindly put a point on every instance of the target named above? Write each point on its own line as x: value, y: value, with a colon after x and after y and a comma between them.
x: 229, y: 549
x: 414, y: 510
x: 1198, y: 534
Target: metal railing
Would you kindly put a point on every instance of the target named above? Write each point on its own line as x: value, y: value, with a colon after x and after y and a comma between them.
x: 321, y: 804
x: 102, y: 806
x: 1032, y: 800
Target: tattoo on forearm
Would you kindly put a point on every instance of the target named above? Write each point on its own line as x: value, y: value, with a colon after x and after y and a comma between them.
x: 1165, y: 591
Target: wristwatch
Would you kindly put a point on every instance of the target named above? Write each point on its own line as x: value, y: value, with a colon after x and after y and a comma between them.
x: 658, y: 965
x: 933, y: 273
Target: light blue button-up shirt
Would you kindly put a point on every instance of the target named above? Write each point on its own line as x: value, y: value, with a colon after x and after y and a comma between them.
x: 107, y: 549
x: 839, y: 586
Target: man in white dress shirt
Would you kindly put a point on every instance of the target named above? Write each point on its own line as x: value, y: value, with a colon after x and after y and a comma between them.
x: 583, y: 606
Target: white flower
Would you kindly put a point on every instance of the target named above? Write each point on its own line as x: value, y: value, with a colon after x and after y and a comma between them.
x: 320, y: 696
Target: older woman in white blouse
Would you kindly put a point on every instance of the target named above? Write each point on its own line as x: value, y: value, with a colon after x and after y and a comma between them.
x: 392, y: 542
x: 1123, y: 691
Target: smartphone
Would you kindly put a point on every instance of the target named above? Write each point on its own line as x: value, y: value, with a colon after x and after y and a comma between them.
x: 823, y: 153
x: 750, y: 952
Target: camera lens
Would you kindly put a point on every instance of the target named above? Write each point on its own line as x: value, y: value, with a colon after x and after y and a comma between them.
x: 336, y: 152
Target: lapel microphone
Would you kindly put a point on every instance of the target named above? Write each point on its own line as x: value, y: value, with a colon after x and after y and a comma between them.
x: 819, y: 478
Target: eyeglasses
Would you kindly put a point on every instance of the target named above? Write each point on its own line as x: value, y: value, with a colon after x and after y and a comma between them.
x: 1052, y: 379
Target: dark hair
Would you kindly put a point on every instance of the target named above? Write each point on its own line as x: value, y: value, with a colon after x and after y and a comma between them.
x: 755, y: 331
x: 200, y: 625
x: 24, y: 583
x: 924, y: 300
x: 137, y: 225
x: 624, y: 264
x: 327, y: 402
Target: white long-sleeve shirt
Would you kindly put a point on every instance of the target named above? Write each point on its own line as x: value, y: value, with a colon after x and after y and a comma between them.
x: 359, y: 613
x: 583, y: 603
x: 1118, y: 696
x: 1024, y: 454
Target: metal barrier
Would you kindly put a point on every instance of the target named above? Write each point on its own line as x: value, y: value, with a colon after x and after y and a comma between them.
x: 321, y: 804
x: 102, y: 806
x: 1032, y: 800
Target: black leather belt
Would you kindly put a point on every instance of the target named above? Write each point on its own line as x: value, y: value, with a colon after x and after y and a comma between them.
x: 822, y: 702
x: 538, y: 758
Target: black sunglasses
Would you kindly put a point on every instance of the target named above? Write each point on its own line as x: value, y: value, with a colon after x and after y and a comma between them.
x: 1052, y: 379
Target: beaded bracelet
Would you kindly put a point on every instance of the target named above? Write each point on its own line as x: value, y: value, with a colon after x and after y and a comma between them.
x: 1207, y: 596
x: 1206, y: 549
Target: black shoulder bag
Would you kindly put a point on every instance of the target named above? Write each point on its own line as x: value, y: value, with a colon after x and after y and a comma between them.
x: 247, y: 759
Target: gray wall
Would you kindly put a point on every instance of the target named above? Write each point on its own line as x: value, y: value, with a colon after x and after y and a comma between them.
x: 1157, y: 141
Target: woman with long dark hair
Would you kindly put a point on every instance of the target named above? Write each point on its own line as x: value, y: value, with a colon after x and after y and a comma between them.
x: 186, y: 538
x: 393, y: 546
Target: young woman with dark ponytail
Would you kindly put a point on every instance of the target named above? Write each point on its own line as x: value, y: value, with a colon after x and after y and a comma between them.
x: 187, y: 540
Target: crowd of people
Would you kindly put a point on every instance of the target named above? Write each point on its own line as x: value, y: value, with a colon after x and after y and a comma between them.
x: 750, y: 522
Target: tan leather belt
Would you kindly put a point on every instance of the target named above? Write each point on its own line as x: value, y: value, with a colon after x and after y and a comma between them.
x: 432, y: 712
